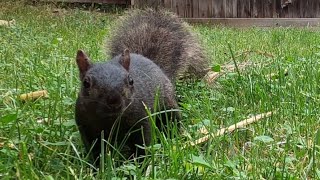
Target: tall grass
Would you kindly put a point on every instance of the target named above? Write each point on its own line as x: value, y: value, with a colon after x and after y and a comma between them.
x: 39, y: 139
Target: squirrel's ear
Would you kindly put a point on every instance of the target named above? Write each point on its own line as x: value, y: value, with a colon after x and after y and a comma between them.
x: 125, y: 59
x: 83, y: 63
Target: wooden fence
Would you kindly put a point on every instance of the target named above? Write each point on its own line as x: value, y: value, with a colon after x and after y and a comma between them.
x: 237, y: 8
x: 226, y: 8
x: 126, y: 2
x: 238, y: 13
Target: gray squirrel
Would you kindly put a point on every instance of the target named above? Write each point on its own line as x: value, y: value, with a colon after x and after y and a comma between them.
x: 113, y: 95
x: 114, y: 92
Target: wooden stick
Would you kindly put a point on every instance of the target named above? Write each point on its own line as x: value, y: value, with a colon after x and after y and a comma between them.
x: 231, y: 128
x: 34, y: 95
x: 7, y: 23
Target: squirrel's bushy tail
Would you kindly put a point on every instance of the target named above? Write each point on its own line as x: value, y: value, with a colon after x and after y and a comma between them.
x: 163, y: 38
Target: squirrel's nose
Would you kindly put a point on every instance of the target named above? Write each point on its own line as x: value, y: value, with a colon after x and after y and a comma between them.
x: 114, y: 101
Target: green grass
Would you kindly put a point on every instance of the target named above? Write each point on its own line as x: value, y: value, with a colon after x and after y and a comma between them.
x: 39, y: 139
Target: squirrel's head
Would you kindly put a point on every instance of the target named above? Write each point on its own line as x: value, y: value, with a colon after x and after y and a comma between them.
x: 108, y: 86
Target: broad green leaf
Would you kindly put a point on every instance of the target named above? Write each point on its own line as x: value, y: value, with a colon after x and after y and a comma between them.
x: 317, y: 138
x: 49, y: 177
x: 69, y: 123
x: 216, y: 68
x: 8, y: 118
x: 228, y: 109
x: 198, y: 160
x: 264, y: 139
x: 230, y: 164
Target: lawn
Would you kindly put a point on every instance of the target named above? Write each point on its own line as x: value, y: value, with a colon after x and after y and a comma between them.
x: 39, y: 139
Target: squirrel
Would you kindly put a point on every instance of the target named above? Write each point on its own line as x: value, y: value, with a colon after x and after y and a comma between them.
x: 112, y: 99
x: 150, y: 49
x: 163, y: 38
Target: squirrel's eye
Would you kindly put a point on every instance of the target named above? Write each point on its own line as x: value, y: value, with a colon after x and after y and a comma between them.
x: 130, y: 80
x: 86, y: 83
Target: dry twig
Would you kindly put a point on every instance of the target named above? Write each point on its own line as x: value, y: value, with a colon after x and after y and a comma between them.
x: 231, y: 128
x: 34, y: 95
x: 7, y: 23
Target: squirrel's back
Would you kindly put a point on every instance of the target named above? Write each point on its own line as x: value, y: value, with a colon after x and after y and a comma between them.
x: 162, y: 37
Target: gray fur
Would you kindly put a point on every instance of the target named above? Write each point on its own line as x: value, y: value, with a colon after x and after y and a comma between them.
x: 109, y: 84
x: 161, y: 37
